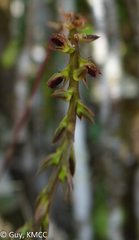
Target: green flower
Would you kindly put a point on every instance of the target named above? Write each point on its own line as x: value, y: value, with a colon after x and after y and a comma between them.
x: 84, y: 68
x: 57, y: 78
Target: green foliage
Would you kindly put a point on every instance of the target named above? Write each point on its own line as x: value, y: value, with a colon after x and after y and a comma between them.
x: 89, y: 29
x: 100, y: 214
x: 100, y: 222
x: 10, y: 54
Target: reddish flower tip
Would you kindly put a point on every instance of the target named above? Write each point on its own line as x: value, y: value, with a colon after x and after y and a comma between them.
x: 91, y: 72
x: 57, y: 41
x: 53, y: 84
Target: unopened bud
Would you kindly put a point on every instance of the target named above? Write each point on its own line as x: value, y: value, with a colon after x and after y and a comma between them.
x: 84, y: 111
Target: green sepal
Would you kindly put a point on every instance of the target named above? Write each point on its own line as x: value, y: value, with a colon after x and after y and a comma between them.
x: 79, y: 73
x: 82, y: 110
x: 63, y: 94
x: 59, y: 132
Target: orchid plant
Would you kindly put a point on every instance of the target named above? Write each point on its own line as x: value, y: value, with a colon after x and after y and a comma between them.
x: 64, y: 159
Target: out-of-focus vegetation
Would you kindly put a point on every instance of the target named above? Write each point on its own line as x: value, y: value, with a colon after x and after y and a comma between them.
x: 113, y: 142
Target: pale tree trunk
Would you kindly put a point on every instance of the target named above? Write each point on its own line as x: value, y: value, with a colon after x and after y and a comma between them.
x: 82, y: 194
x: 106, y: 53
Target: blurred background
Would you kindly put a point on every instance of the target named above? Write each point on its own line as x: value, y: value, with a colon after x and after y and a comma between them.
x: 105, y: 202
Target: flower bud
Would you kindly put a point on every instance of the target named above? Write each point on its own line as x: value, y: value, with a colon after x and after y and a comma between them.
x: 52, y: 159
x: 63, y: 94
x: 40, y: 211
x: 80, y: 21
x: 82, y: 110
x: 82, y: 37
x: 59, y: 132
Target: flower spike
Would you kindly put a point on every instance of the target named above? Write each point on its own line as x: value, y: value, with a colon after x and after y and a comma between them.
x: 62, y: 43
x: 57, y: 78
x: 63, y: 159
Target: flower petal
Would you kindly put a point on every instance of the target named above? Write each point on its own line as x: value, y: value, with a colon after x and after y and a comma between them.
x: 84, y: 80
x: 66, y: 15
x: 57, y: 41
x: 55, y: 82
x: 93, y: 70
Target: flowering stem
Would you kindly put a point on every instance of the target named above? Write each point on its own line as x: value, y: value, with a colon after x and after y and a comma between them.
x: 63, y: 159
